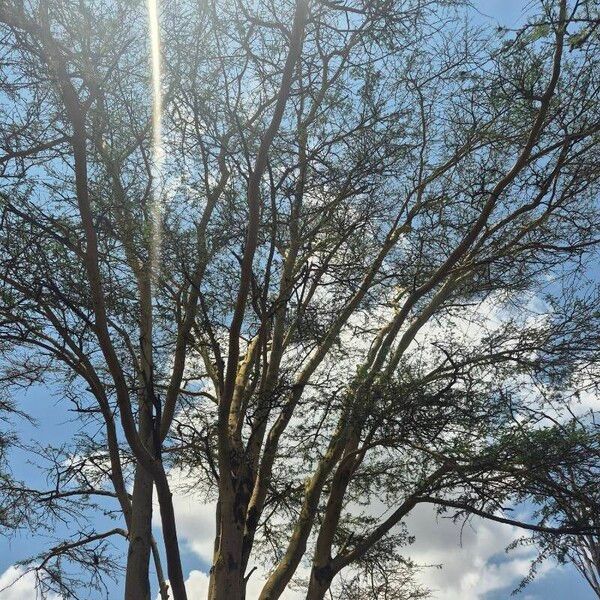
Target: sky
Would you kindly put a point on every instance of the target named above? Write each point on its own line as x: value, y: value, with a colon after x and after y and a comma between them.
x: 474, y: 564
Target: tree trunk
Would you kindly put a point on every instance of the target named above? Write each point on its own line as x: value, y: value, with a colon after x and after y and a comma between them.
x: 137, y: 580
x: 320, y: 580
x: 226, y: 576
x: 167, y: 516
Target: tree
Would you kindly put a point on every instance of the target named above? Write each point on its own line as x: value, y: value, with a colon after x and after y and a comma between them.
x: 358, y: 274
x: 582, y: 505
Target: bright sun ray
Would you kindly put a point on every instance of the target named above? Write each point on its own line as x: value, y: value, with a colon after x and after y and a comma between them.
x: 157, y: 140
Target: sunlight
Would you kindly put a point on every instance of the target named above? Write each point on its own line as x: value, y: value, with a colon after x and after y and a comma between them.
x: 157, y: 143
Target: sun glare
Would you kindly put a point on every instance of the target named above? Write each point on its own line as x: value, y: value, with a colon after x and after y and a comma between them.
x: 157, y: 140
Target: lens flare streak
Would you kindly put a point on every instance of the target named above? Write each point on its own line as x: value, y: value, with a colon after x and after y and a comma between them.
x: 156, y: 208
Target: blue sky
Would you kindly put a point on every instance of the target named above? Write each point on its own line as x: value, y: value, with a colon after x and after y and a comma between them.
x: 482, y: 562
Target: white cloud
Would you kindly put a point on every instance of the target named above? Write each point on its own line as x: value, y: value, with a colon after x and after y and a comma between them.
x: 19, y: 585
x: 195, y: 524
x: 196, y: 584
x: 472, y: 557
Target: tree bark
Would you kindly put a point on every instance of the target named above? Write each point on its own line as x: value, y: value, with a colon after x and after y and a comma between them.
x: 167, y: 516
x: 137, y: 580
x: 320, y: 580
x: 227, y: 577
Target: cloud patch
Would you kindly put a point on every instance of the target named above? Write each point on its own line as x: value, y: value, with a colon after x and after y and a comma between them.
x: 16, y: 584
x: 472, y: 558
